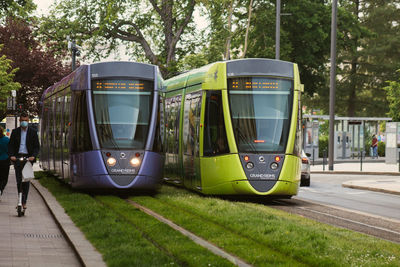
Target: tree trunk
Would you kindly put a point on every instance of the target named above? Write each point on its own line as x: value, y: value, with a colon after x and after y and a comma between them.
x: 247, y: 29
x: 228, y: 40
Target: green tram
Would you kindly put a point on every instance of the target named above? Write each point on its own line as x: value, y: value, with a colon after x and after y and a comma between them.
x: 234, y: 128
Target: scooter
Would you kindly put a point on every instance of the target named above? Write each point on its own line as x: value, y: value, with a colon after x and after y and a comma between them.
x: 20, y: 209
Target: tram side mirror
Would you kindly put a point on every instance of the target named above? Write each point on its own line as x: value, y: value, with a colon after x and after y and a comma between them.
x: 308, y: 155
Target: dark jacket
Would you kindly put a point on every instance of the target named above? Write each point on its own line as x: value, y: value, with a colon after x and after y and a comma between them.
x: 32, y: 142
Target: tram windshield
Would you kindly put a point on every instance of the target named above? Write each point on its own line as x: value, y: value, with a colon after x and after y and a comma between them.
x: 122, y: 110
x: 260, y: 109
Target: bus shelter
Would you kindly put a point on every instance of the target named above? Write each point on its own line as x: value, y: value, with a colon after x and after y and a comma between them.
x: 351, y: 134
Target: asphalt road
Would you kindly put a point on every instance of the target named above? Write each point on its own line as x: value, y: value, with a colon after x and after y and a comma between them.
x: 327, y: 189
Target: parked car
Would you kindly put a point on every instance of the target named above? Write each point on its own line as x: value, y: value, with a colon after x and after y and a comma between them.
x: 305, y: 169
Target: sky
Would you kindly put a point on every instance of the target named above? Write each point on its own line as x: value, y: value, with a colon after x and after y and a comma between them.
x: 43, y: 5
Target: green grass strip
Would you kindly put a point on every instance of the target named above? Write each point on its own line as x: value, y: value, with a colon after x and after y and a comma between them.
x: 245, y: 229
x: 124, y: 235
x: 174, y: 243
x: 115, y: 238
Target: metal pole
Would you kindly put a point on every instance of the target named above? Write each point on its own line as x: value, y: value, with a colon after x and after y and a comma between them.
x: 15, y: 114
x: 362, y: 152
x: 332, y: 85
x: 278, y: 29
x: 73, y: 56
x: 313, y: 155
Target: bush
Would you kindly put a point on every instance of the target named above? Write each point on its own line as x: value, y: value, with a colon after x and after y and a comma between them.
x: 323, y: 145
x: 367, y: 147
x: 381, y: 149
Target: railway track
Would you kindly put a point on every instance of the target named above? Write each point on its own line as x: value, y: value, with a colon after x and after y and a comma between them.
x: 163, y: 209
x: 377, y: 226
x: 272, y: 256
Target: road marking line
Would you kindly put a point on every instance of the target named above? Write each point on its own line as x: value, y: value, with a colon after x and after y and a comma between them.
x: 198, y: 240
x: 352, y: 221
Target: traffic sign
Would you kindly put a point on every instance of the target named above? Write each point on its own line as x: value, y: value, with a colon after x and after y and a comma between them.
x: 10, y: 103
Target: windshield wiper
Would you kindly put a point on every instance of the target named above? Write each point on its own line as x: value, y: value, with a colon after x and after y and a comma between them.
x: 244, y: 139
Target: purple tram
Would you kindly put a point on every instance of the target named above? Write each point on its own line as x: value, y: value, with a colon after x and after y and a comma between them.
x: 98, y: 127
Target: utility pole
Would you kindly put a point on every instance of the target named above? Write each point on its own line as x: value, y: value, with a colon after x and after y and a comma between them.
x: 332, y: 90
x: 278, y: 29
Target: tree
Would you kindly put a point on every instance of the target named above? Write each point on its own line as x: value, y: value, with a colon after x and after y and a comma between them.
x: 37, y: 69
x: 368, y: 57
x: 151, y: 31
x: 7, y: 83
x: 224, y: 16
x: 304, y: 37
x: 393, y: 97
x: 380, y: 56
x: 16, y: 8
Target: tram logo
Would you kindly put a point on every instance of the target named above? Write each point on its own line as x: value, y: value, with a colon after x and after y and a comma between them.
x: 123, y: 171
x: 262, y: 175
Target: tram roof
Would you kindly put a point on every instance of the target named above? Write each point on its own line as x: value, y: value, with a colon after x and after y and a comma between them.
x: 234, y: 68
x: 79, y: 78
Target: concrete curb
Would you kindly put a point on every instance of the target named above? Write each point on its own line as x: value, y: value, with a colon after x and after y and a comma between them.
x: 370, y: 188
x: 357, y: 173
x: 85, y: 251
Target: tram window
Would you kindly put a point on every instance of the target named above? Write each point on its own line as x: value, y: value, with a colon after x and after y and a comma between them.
x: 80, y: 126
x: 261, y: 109
x: 215, y: 141
x: 122, y: 110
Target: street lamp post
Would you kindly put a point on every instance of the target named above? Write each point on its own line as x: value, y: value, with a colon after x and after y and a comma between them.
x: 278, y: 29
x: 75, y: 52
x: 332, y: 86
x: 14, y: 104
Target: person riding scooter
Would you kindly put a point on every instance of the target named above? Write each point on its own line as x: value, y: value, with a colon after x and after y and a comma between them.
x: 24, y: 143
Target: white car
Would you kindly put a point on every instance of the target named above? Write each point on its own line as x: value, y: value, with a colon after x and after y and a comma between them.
x: 305, y: 169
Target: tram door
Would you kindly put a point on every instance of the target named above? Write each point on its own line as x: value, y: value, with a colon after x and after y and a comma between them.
x: 172, y: 133
x: 45, y: 135
x: 58, y: 148
x: 191, y: 140
x: 65, y: 137
x: 52, y: 165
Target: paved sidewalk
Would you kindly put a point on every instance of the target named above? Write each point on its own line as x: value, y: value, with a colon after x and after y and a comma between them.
x: 388, y: 181
x: 366, y: 167
x: 32, y: 240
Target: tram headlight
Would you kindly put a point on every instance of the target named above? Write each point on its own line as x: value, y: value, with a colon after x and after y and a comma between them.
x: 111, y: 161
x: 274, y: 165
x: 250, y: 165
x: 134, y: 162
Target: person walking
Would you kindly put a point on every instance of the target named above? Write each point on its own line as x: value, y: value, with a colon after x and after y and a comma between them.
x: 24, y: 142
x: 374, y: 147
x: 4, y: 161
